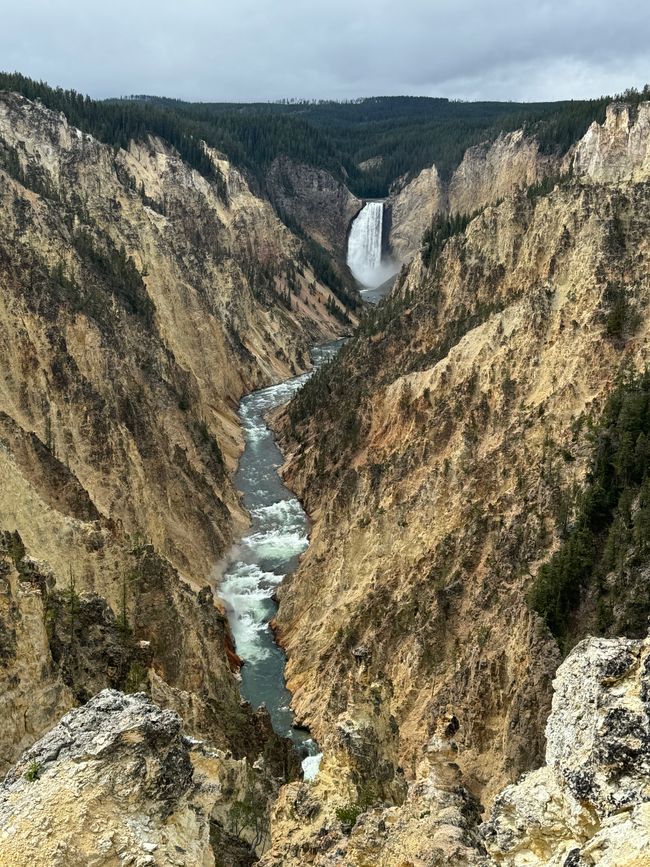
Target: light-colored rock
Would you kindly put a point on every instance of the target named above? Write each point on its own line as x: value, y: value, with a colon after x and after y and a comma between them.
x: 116, y: 782
x: 487, y: 173
x: 492, y: 171
x: 590, y: 803
x: 616, y: 150
x: 412, y: 207
x: 619, y: 149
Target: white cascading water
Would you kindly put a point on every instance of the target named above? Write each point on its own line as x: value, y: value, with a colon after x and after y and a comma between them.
x: 364, y: 245
x: 365, y: 259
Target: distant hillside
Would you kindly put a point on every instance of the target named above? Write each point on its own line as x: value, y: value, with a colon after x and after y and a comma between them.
x: 368, y: 142
x: 395, y: 136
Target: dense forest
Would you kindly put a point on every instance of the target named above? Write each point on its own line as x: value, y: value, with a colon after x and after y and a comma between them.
x: 368, y: 143
x: 372, y: 142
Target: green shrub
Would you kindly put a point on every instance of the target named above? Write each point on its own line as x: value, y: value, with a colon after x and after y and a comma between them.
x: 33, y: 771
x: 349, y: 814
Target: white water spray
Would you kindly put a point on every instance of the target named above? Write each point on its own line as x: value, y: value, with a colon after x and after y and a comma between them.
x: 364, y: 247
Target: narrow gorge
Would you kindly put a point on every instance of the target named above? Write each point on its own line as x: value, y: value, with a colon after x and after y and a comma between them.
x: 325, y: 482
x: 264, y: 556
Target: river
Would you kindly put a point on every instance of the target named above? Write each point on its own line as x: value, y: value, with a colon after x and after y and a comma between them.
x: 277, y: 537
x: 271, y: 549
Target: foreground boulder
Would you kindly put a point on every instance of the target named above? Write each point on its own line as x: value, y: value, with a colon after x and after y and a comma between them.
x: 117, y: 782
x: 590, y: 804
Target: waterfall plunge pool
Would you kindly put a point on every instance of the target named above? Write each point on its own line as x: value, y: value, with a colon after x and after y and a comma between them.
x: 269, y: 551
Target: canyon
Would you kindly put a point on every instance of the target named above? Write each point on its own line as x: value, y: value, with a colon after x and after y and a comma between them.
x: 140, y: 301
x: 439, y: 458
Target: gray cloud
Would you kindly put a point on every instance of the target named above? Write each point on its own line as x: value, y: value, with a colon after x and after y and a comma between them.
x: 251, y: 49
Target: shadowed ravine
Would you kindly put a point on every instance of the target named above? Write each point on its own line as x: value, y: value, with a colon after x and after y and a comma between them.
x: 269, y: 551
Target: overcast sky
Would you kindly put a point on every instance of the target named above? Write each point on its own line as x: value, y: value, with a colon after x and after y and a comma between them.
x: 269, y: 49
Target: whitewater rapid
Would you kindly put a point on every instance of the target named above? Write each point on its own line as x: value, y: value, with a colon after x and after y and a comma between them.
x: 269, y: 551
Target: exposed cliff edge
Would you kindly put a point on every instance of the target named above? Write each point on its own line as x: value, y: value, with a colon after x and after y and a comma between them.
x: 117, y: 780
x: 590, y: 803
x: 446, y: 473
x: 615, y: 150
x: 588, y: 806
x: 487, y: 174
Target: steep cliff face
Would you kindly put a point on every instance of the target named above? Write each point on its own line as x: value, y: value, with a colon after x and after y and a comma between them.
x: 33, y: 693
x: 118, y: 779
x: 588, y: 806
x: 619, y: 149
x: 443, y: 477
x: 488, y: 173
x: 139, y: 301
x: 207, y: 321
x: 149, y: 631
x: 320, y: 204
x: 412, y: 207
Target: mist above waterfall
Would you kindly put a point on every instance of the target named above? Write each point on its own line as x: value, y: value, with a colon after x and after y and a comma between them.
x: 364, y: 247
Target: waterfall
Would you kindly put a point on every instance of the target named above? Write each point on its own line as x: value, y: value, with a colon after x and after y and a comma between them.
x: 364, y: 245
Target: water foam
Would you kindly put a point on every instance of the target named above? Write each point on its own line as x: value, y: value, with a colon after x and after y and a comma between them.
x: 365, y: 247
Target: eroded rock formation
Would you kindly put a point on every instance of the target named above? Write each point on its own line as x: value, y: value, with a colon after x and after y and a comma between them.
x: 118, y: 782
x: 488, y: 173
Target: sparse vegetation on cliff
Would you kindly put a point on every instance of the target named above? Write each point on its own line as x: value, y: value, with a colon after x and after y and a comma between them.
x: 606, y: 548
x: 441, y: 229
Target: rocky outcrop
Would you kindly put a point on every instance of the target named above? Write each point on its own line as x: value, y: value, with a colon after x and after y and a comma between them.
x: 117, y: 779
x: 588, y: 806
x: 117, y: 782
x: 488, y: 173
x: 619, y: 149
x: 590, y: 803
x: 439, y: 483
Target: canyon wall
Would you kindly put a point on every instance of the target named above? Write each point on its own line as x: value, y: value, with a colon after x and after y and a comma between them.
x: 322, y: 205
x: 487, y: 173
x: 439, y: 471
x: 139, y: 301
x: 440, y: 457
